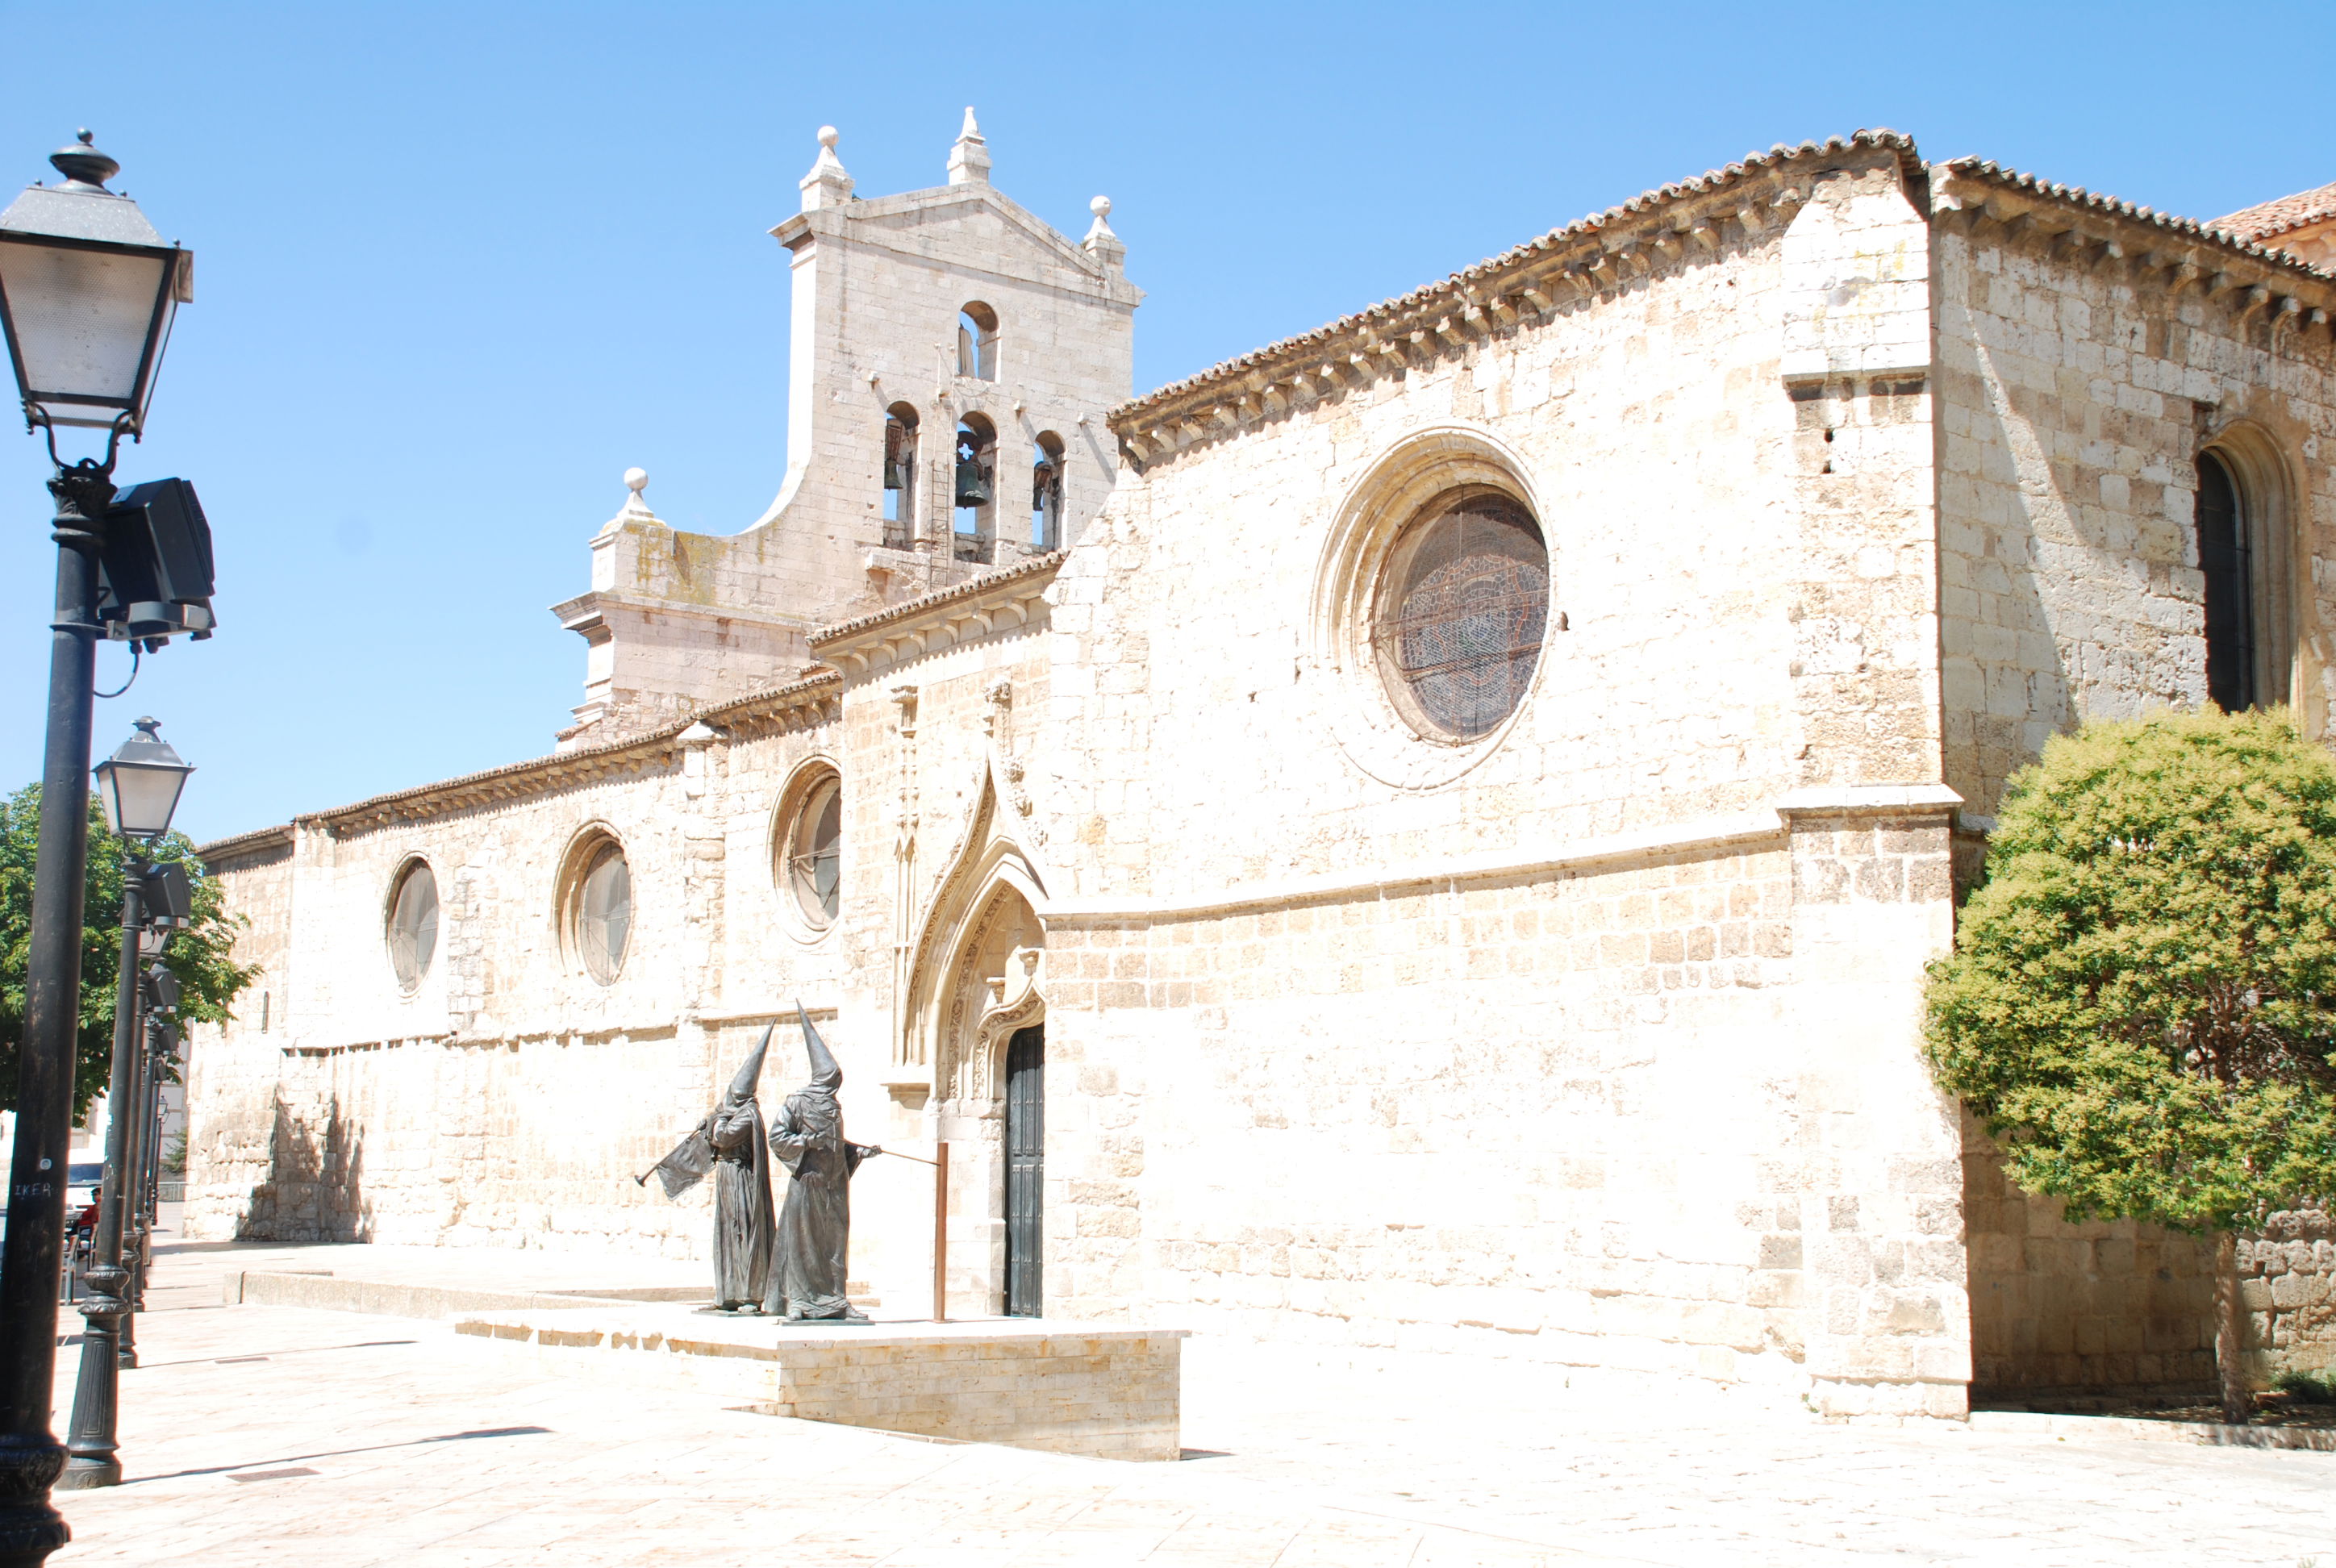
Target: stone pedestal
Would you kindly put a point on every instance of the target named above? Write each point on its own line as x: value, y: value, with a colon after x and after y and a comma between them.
x: 1065, y: 1388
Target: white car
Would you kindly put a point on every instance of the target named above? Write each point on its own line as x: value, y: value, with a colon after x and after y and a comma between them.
x: 81, y: 1182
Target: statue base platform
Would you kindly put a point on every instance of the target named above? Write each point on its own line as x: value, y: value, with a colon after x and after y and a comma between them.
x: 1108, y: 1392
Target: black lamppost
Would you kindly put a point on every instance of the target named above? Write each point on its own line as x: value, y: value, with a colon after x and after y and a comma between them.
x: 139, y: 786
x: 159, y: 1007
x: 87, y: 290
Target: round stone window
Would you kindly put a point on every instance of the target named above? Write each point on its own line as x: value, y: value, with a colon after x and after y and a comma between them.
x: 413, y: 924
x: 604, y: 910
x: 1462, y: 606
x: 814, y: 851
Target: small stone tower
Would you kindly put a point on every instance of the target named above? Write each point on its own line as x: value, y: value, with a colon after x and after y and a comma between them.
x: 951, y: 360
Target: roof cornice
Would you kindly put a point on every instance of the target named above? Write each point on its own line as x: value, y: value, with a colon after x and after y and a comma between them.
x: 998, y: 599
x: 2185, y: 249
x: 1598, y: 255
x: 807, y: 701
x: 257, y: 840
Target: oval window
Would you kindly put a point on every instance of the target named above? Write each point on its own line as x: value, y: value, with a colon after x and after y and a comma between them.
x: 414, y: 924
x: 1460, y: 613
x: 816, y: 851
x: 603, y: 911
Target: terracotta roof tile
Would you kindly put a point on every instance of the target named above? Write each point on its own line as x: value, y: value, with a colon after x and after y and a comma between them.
x: 909, y: 610
x: 2076, y: 196
x: 2269, y: 219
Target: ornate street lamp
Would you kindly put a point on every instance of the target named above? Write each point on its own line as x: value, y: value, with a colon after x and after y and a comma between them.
x: 87, y: 289
x: 140, y: 785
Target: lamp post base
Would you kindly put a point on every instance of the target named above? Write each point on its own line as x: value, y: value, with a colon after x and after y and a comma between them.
x: 95, y: 1457
x: 83, y: 1474
x: 29, y: 1528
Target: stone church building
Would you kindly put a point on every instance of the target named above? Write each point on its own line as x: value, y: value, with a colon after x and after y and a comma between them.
x: 1424, y: 836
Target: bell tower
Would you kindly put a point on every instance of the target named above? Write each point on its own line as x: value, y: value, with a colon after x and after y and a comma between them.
x: 950, y: 360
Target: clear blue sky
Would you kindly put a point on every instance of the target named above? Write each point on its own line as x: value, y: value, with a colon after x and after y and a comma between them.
x: 459, y: 267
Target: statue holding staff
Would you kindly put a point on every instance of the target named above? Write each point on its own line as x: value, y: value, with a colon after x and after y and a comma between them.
x: 729, y: 1143
x: 814, y: 1231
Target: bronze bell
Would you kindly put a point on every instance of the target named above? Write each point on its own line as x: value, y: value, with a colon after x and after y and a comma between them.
x: 972, y: 482
x: 896, y: 473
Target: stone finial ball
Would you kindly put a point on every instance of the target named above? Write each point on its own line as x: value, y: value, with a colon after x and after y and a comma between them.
x: 1100, y: 207
x: 828, y: 136
x: 637, y: 479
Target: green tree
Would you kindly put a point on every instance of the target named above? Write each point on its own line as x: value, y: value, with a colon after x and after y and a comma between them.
x: 200, y: 954
x: 2141, y: 1004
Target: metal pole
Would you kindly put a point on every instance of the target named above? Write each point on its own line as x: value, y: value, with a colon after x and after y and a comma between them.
x: 30, y: 1454
x: 940, y: 1233
x: 133, y: 1178
x: 95, y: 1391
x: 150, y: 1156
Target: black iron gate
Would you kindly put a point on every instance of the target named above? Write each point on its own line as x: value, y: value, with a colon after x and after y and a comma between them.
x: 1026, y: 1156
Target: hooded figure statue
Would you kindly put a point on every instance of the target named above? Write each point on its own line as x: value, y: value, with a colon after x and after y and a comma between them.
x: 814, y: 1236
x: 729, y: 1142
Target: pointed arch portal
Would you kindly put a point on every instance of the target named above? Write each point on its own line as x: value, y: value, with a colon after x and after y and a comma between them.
x: 975, y: 1018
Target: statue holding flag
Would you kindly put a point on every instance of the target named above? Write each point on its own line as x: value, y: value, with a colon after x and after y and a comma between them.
x: 729, y: 1143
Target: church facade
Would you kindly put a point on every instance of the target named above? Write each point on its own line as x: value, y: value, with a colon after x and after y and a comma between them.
x: 1424, y: 836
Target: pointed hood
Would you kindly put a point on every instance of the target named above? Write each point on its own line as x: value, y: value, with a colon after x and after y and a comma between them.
x: 824, y: 1073
x: 750, y: 1071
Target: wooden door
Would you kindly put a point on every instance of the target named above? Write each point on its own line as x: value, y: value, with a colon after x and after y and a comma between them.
x: 1026, y: 1155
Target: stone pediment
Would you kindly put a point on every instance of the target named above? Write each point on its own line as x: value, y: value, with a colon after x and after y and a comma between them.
x: 973, y: 224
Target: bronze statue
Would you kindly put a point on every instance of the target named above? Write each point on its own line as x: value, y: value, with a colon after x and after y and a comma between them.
x: 815, y: 1236
x: 729, y: 1142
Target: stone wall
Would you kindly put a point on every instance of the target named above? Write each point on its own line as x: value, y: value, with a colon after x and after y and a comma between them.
x: 1449, y: 1119
x: 2121, y: 1308
x: 2085, y: 357
x: 2085, y: 360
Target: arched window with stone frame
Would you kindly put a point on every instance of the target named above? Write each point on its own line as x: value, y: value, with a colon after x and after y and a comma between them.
x: 900, y: 477
x: 1047, y: 466
x: 977, y: 341
x: 976, y: 511
x: 2242, y: 536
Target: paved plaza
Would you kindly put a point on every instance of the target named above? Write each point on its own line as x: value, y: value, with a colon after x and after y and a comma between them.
x: 275, y: 1434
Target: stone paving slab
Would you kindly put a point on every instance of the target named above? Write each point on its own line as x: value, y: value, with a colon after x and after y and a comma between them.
x: 433, y: 1449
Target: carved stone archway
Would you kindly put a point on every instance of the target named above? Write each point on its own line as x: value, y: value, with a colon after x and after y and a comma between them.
x: 977, y: 975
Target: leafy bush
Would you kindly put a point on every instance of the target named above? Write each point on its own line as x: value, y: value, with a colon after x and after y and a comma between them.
x: 2141, y: 1004
x: 209, y: 977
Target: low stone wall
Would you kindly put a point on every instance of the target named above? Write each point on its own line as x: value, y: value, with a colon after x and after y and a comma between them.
x: 2115, y: 1307
x: 1108, y: 1393
x: 2289, y: 1276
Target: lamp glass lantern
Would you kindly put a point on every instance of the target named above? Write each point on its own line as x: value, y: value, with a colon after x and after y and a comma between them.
x: 139, y: 785
x: 87, y: 292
